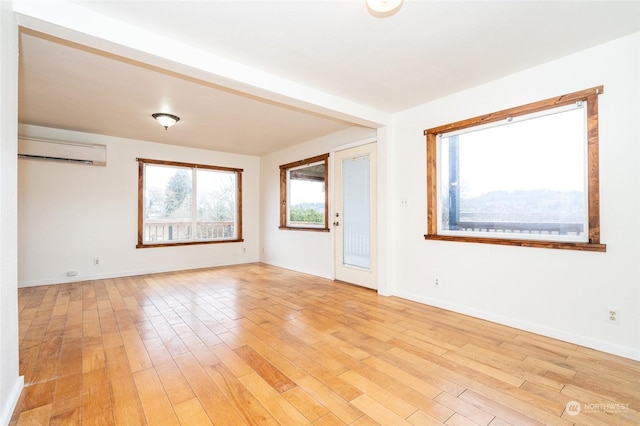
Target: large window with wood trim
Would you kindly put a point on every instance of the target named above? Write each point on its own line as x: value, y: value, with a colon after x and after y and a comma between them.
x: 523, y: 176
x: 304, y: 200
x: 184, y: 203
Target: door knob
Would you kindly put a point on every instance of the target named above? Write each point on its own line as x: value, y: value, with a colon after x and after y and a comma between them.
x: 336, y: 223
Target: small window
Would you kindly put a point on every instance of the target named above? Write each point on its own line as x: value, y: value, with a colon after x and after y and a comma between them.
x: 182, y: 203
x: 304, y: 194
x: 523, y: 176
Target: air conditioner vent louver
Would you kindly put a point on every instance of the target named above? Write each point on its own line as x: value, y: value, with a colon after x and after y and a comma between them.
x: 70, y: 152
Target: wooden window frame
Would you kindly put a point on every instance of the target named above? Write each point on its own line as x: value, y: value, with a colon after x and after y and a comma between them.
x: 588, y: 95
x: 283, y: 193
x: 141, y: 164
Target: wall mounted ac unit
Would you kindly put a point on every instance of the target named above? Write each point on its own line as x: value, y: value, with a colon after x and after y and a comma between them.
x: 73, y: 152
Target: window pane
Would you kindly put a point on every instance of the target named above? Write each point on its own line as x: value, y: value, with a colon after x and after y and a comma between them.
x: 167, y: 210
x: 356, y: 205
x: 526, y: 177
x: 185, y: 203
x: 216, y: 205
x: 306, y: 195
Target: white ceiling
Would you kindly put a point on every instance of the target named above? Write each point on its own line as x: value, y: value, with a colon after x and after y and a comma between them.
x: 429, y: 49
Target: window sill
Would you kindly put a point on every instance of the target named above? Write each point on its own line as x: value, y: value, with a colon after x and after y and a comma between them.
x: 522, y: 243
x: 187, y: 243
x: 295, y: 228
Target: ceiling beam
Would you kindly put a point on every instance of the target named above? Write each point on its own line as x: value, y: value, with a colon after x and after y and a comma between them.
x: 74, y: 23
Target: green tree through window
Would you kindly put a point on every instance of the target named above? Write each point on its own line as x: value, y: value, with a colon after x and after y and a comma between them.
x: 177, y: 191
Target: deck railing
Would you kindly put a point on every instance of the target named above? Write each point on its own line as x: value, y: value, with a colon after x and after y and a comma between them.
x: 162, y: 230
x: 524, y: 227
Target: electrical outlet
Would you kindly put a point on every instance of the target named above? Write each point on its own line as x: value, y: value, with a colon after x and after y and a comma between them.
x: 96, y: 261
x: 613, y: 316
x: 436, y: 282
x: 404, y: 202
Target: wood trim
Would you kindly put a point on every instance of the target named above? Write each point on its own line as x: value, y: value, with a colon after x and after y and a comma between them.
x: 326, y: 192
x: 140, y: 203
x: 588, y: 95
x: 236, y: 171
x: 190, y: 243
x: 306, y: 161
x: 582, y: 95
x: 189, y: 165
x: 295, y: 228
x: 283, y: 197
x: 239, y: 204
x: 432, y: 186
x: 593, y: 169
x: 283, y: 193
x: 521, y: 243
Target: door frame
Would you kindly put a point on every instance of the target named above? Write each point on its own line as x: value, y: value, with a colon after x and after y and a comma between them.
x: 332, y: 188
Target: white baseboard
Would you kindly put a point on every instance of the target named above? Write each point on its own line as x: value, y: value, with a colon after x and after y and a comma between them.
x: 10, y: 404
x: 131, y: 273
x: 296, y: 269
x: 588, y: 342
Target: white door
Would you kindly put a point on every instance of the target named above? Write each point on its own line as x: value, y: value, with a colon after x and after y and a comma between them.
x: 354, y: 216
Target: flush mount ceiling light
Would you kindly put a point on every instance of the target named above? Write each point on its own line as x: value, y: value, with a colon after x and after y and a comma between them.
x: 383, y: 8
x: 165, y: 120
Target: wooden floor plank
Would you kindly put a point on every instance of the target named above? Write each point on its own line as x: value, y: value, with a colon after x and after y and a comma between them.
x: 342, y: 409
x: 157, y: 407
x: 125, y: 398
x: 232, y: 361
x: 190, y: 412
x: 282, y: 411
x: 238, y: 396
x: 467, y: 410
x: 136, y: 350
x: 308, y: 406
x: 416, y: 383
x: 38, y: 394
x: 420, y: 418
x: 330, y: 419
x: 39, y: 416
x: 378, y: 412
x: 211, y: 398
x: 96, y: 399
x: 393, y: 384
x: 380, y: 395
x: 257, y: 344
x: 459, y: 420
x: 67, y: 398
x: 264, y: 369
x: 177, y: 388
x: 498, y: 409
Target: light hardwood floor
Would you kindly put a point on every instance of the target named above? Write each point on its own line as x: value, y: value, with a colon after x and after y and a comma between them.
x: 255, y: 344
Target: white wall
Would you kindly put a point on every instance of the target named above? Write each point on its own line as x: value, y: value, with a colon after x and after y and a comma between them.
x: 559, y: 293
x: 305, y: 251
x: 70, y: 214
x: 10, y: 383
